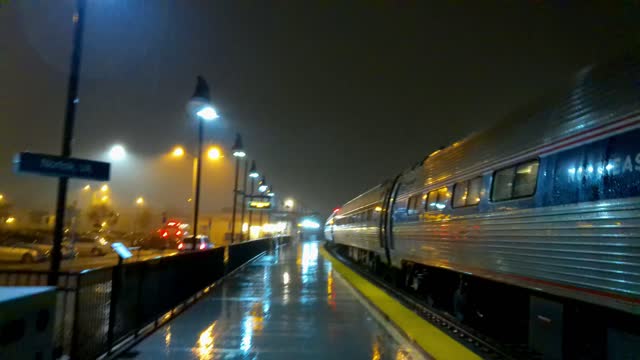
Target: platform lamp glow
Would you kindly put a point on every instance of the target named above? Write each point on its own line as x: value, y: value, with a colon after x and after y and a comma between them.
x: 238, y: 153
x: 199, y: 106
x: 253, y: 174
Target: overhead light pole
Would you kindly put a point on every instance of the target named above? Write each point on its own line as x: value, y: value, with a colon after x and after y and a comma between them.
x: 67, y: 138
x: 262, y: 187
x: 244, y: 199
x: 253, y: 174
x: 200, y: 107
x: 238, y: 153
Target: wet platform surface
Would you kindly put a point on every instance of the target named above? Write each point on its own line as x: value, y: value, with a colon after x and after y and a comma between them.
x: 289, y: 304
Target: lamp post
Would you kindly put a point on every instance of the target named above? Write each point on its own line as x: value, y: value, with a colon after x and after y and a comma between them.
x: 67, y: 138
x: 262, y: 187
x: 244, y: 199
x: 200, y: 106
x: 238, y: 153
x: 253, y: 174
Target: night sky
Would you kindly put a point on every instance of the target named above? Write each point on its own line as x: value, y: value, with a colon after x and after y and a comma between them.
x: 332, y: 97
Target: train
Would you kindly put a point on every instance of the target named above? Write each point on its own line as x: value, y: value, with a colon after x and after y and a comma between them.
x: 531, y: 226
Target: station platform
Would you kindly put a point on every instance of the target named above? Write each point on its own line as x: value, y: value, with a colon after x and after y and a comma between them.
x: 288, y: 304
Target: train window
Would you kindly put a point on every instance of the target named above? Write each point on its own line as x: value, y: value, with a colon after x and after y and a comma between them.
x: 525, y: 181
x: 474, y: 190
x: 515, y: 182
x: 467, y: 193
x: 414, y: 204
x: 437, y: 199
x: 460, y: 194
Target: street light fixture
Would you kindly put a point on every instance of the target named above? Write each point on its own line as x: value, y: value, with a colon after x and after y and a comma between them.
x: 238, y: 152
x: 200, y: 106
x: 214, y: 153
x: 178, y: 151
x: 262, y: 185
x: 253, y: 172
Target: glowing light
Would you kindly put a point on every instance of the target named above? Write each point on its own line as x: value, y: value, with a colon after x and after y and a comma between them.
x: 262, y: 188
x: 378, y: 208
x: 310, y: 224
x: 117, y: 153
x: 140, y: 200
x: 202, y: 246
x: 285, y: 278
x: 102, y: 240
x: 104, y: 188
x: 254, y: 174
x: 104, y: 224
x: 590, y: 169
x: 1, y: 197
x: 206, y: 343
x: 207, y: 113
x: 601, y: 170
x: 10, y: 220
x: 105, y: 199
x: 180, y: 246
x: 245, y: 227
x: 572, y: 171
x: 178, y: 151
x: 440, y: 206
x: 580, y: 170
x: 214, y: 153
x: 259, y: 204
x: 288, y: 203
x: 336, y: 210
x: 609, y: 167
x: 86, y: 188
x: 189, y: 200
x: 239, y: 153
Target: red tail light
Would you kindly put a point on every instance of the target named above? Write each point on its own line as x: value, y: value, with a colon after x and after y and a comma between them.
x: 180, y: 246
x: 202, y: 246
x: 165, y: 234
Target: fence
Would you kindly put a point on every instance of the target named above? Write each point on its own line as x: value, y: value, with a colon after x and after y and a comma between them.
x: 100, y: 310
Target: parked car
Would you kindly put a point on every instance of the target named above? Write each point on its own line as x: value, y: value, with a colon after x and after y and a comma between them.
x: 202, y: 241
x: 40, y: 241
x: 11, y: 250
x: 92, y: 245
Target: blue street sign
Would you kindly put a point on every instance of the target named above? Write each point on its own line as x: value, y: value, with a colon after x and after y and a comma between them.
x: 52, y: 165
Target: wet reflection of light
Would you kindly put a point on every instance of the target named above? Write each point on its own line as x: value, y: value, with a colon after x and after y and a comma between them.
x: 247, y: 333
x: 206, y: 343
x: 167, y: 336
x: 377, y: 354
x: 266, y: 306
x: 331, y: 295
x: 309, y: 256
x: 285, y: 278
x: 402, y: 355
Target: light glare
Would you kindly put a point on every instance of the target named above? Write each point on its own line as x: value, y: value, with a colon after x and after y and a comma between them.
x: 117, y: 153
x: 208, y: 113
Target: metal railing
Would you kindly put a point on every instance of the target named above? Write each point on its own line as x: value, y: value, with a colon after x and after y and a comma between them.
x: 99, y: 311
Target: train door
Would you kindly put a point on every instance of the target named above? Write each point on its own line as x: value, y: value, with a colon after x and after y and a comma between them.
x: 386, y: 238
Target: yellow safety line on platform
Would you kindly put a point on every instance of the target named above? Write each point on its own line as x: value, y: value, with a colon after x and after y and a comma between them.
x: 431, y: 339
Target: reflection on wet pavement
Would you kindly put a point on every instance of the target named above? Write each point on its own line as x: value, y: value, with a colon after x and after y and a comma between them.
x: 288, y: 304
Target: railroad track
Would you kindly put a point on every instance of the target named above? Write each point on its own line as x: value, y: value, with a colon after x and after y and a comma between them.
x: 482, y: 345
